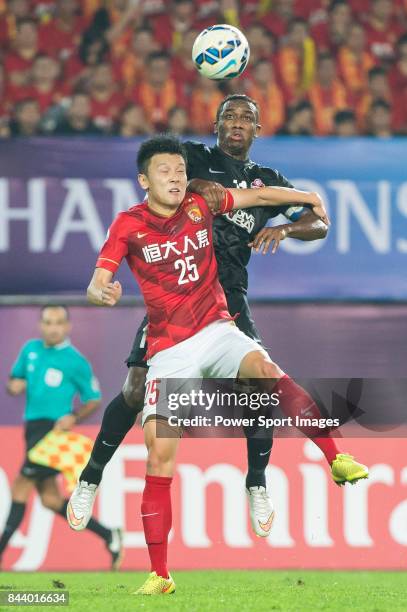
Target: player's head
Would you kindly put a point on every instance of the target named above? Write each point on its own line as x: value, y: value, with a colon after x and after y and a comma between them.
x: 54, y: 324
x: 162, y: 166
x: 237, y: 124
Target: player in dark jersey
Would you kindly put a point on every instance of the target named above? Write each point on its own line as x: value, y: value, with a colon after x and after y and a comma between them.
x: 228, y: 163
x: 168, y: 244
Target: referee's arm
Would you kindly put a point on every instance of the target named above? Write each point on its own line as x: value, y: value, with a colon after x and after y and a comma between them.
x: 16, y: 386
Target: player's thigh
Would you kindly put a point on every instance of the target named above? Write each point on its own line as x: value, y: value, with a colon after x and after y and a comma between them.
x: 172, y: 372
x: 134, y: 386
x: 257, y: 364
x: 21, y: 488
x: 226, y: 349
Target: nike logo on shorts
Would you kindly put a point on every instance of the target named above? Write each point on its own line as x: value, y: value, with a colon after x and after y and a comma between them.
x: 216, y: 171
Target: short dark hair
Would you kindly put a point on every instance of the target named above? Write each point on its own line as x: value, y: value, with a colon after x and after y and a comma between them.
x: 24, y: 102
x: 55, y: 306
x: 233, y: 97
x: 376, y: 71
x: 297, y: 21
x: 335, y: 3
x: 344, y: 116
x: 158, y: 55
x: 380, y: 104
x: 325, y: 55
x: 159, y: 144
x: 402, y: 40
x: 24, y: 20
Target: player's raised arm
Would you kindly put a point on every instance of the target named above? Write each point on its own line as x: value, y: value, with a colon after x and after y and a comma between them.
x: 276, y: 196
x: 101, y: 291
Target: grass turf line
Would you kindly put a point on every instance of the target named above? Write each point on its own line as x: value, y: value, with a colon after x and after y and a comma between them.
x: 226, y: 591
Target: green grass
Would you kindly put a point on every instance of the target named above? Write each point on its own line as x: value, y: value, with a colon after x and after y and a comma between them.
x: 228, y: 591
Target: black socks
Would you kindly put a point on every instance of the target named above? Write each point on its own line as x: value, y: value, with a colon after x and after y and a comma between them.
x: 258, y: 454
x: 117, y: 421
x: 14, y: 519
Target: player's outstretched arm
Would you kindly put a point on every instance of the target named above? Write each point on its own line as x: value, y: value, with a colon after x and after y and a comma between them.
x: 101, y: 290
x: 276, y: 196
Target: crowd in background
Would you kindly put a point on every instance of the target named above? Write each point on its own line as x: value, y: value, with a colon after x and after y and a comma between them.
x: 123, y: 67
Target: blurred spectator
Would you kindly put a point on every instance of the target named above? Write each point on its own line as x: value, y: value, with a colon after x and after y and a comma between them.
x: 105, y: 99
x: 379, y: 120
x: 78, y: 69
x: 279, y: 19
x: 61, y: 35
x: 178, y: 121
x: 332, y: 34
x: 205, y: 99
x: 183, y: 68
x: 171, y: 27
x: 379, y: 89
x: 16, y: 10
x: 261, y: 43
x: 18, y: 62
x: 296, y: 61
x: 398, y: 73
x: 44, y: 82
x: 4, y: 107
x: 131, y: 68
x: 158, y: 92
x: 127, y: 38
x: 268, y: 95
x: 116, y: 22
x: 300, y: 120
x: 78, y: 121
x: 27, y: 118
x: 327, y: 95
x: 382, y: 29
x: 345, y: 123
x: 354, y: 61
x: 133, y: 122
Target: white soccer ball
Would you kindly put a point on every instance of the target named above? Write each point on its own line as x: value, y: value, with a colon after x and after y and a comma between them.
x: 221, y: 52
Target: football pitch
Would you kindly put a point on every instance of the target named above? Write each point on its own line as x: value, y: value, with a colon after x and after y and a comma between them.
x: 228, y: 591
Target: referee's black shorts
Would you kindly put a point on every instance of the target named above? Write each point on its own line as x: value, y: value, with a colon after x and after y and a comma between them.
x: 237, y: 303
x: 34, y: 432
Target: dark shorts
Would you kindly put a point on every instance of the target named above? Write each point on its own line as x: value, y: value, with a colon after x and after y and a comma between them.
x: 34, y: 432
x: 237, y: 303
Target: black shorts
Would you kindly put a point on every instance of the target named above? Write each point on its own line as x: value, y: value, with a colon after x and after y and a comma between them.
x: 237, y: 303
x: 34, y: 431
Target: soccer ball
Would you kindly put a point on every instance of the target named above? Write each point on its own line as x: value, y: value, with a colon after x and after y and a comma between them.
x: 221, y: 52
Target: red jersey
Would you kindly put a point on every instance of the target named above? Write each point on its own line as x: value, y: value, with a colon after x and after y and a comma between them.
x: 173, y: 260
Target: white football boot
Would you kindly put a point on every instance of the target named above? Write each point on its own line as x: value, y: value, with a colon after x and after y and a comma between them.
x: 80, y: 505
x: 261, y: 511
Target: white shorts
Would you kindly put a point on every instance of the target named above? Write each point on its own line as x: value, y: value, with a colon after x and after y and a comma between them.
x: 216, y: 351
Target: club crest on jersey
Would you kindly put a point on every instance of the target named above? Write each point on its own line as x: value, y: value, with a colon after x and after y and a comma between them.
x: 257, y: 183
x: 194, y: 212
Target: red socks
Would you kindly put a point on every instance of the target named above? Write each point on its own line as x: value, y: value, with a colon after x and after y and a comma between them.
x: 296, y: 402
x: 157, y: 520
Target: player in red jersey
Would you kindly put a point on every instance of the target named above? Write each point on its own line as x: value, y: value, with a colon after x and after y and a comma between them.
x: 167, y: 242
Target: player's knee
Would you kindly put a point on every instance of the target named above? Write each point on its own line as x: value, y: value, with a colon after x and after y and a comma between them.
x: 134, y: 388
x: 263, y: 368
